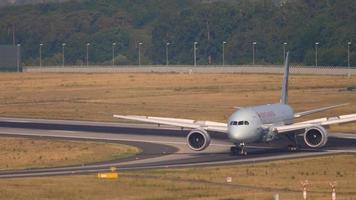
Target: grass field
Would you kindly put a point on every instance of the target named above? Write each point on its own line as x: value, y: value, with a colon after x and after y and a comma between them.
x: 198, y: 96
x: 20, y: 153
x: 253, y: 181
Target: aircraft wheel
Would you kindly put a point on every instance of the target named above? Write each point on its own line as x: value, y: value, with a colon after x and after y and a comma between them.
x: 292, y: 148
x: 237, y: 151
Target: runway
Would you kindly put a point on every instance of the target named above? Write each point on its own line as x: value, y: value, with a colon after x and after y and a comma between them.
x: 162, y: 147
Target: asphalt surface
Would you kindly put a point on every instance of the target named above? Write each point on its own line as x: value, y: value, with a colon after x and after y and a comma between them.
x: 162, y: 147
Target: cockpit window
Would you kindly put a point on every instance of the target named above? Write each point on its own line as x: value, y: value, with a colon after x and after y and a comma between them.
x: 239, y: 123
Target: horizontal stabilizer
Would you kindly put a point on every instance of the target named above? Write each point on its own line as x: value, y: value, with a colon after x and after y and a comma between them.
x: 308, y: 112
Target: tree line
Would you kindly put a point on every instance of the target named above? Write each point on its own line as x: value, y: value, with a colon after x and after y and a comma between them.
x: 269, y: 23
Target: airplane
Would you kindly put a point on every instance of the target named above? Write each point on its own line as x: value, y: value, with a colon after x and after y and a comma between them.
x: 258, y: 124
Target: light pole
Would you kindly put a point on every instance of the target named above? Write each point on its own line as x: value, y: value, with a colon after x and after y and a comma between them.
x: 41, y: 54
x: 167, y: 56
x: 63, y: 45
x: 348, y: 58
x: 18, y: 57
x: 316, y: 53
x: 284, y: 51
x: 223, y: 53
x: 113, y: 53
x: 88, y: 44
x: 253, y: 52
x: 195, y: 54
x: 139, y: 53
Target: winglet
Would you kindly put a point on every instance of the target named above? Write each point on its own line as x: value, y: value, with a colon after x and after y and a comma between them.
x: 284, y: 96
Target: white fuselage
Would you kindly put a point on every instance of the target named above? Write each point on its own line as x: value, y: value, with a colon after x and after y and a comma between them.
x: 248, y: 125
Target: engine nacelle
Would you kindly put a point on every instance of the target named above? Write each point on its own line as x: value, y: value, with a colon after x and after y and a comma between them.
x: 198, y: 140
x: 316, y: 137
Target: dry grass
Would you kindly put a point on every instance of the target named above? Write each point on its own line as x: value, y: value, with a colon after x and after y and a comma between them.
x: 198, y: 96
x: 252, y: 181
x: 19, y: 153
x: 285, y: 174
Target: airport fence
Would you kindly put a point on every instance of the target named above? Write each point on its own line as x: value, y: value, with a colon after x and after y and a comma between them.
x: 272, y: 69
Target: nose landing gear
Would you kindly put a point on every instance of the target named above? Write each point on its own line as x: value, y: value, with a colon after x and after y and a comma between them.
x: 238, y: 150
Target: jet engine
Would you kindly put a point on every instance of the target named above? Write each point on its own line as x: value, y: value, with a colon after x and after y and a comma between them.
x: 316, y: 137
x: 198, y: 140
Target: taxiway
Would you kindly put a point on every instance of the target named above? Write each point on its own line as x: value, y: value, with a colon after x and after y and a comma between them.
x: 162, y: 147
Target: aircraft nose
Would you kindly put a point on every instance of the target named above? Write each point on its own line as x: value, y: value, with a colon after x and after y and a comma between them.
x: 239, y: 135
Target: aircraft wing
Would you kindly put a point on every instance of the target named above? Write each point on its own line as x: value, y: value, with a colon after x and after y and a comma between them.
x: 316, y: 122
x: 308, y: 112
x: 182, y: 123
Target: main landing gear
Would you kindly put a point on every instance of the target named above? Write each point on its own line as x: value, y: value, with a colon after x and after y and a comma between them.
x: 238, y: 150
x: 295, y: 146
